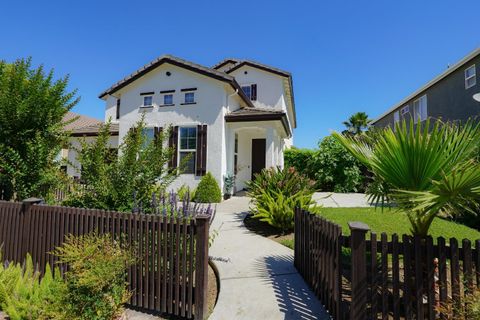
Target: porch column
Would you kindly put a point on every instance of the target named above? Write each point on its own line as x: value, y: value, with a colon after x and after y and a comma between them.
x: 270, y: 148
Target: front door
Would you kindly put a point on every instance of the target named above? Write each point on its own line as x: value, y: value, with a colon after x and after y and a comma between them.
x: 258, y: 155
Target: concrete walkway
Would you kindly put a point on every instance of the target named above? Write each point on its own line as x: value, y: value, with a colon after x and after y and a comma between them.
x: 258, y: 280
x: 344, y: 200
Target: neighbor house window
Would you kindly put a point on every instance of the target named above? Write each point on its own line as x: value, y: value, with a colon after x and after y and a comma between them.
x: 250, y: 91
x: 189, y: 97
x: 470, y: 77
x: 168, y: 99
x: 396, y: 116
x: 420, y: 109
x: 187, y: 148
x: 147, y: 101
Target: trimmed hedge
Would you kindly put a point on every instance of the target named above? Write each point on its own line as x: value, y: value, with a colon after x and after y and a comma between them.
x: 208, y: 190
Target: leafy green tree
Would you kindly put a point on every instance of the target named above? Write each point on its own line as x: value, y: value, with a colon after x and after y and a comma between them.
x: 335, y: 169
x: 110, y: 178
x: 357, y: 123
x: 428, y: 169
x: 32, y: 107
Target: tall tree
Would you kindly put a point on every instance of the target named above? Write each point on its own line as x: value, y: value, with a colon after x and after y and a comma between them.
x: 357, y: 122
x: 32, y: 107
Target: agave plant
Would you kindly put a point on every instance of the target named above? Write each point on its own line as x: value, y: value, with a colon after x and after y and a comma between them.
x: 426, y: 170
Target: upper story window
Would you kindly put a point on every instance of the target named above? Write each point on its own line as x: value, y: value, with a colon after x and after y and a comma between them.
x: 470, y: 77
x: 168, y: 99
x: 148, y: 101
x: 420, y: 109
x: 187, y: 148
x: 189, y: 97
x: 250, y: 91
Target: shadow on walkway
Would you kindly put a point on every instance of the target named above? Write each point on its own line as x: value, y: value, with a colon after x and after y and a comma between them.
x: 294, y: 298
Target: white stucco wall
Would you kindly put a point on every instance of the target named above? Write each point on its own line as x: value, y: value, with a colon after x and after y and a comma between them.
x: 211, y: 99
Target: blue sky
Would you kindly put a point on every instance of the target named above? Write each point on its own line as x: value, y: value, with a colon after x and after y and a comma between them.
x: 345, y: 56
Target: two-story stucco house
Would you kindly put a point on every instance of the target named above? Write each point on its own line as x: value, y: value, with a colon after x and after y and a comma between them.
x: 448, y: 97
x: 236, y: 117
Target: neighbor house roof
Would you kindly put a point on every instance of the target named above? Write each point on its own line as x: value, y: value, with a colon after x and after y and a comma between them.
x: 238, y: 63
x: 85, y: 125
x: 437, y: 79
x: 212, y: 73
x: 258, y: 114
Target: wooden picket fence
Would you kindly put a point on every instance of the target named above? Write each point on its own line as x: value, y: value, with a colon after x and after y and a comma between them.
x: 170, y: 275
x: 361, y: 277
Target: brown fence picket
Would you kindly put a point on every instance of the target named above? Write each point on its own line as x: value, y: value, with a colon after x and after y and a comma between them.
x: 442, y: 274
x: 384, y: 276
x: 455, y: 274
x: 395, y: 277
x: 169, y: 274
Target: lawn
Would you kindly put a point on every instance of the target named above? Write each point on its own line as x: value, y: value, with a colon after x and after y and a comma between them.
x: 389, y: 221
x: 392, y: 221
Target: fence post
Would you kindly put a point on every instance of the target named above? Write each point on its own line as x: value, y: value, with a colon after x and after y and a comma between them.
x: 358, y: 310
x: 201, y: 266
x: 25, y: 225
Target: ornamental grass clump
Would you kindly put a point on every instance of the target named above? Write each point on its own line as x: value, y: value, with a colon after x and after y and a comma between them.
x: 427, y: 169
x: 276, y: 192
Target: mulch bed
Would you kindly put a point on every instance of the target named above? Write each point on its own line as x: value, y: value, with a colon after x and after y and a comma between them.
x: 265, y: 230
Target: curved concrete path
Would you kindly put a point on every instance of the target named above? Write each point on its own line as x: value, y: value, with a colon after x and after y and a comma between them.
x: 257, y: 276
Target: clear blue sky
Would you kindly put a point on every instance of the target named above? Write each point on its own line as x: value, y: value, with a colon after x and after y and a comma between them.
x: 345, y: 56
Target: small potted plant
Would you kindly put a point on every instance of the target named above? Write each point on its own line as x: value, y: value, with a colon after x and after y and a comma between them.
x: 229, y: 181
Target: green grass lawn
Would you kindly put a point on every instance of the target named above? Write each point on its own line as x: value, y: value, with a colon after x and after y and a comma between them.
x: 393, y: 221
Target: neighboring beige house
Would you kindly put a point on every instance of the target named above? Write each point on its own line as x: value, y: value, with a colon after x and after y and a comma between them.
x: 84, y: 127
x: 236, y: 117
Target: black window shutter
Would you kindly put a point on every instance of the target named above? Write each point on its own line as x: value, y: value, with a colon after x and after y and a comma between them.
x: 157, y: 133
x: 253, y: 92
x: 117, y: 116
x: 201, y: 150
x: 173, y: 143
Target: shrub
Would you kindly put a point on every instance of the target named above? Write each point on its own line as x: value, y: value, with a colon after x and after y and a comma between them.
x: 185, y: 190
x: 335, y: 169
x: 208, y: 190
x: 278, y: 210
x: 277, y: 192
x: 299, y: 159
x: 95, y: 282
x: 24, y: 296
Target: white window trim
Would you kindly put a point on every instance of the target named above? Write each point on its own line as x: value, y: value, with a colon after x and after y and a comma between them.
x: 474, y: 76
x: 187, y: 150
x: 415, y: 119
x: 143, y: 101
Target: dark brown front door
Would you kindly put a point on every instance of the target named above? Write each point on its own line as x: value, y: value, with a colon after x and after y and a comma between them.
x: 258, y: 155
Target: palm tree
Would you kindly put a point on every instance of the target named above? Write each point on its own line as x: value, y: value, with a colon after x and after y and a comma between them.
x: 427, y: 170
x: 357, y: 122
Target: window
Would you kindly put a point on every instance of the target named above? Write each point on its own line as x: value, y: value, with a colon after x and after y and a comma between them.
x: 396, y: 116
x: 148, y: 101
x: 168, y: 99
x: 470, y: 77
x: 420, y: 109
x: 405, y: 110
x: 188, y: 148
x: 189, y: 97
x: 250, y: 91
x: 149, y: 134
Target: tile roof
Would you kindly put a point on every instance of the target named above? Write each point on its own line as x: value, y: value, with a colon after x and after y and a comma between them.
x: 85, y: 125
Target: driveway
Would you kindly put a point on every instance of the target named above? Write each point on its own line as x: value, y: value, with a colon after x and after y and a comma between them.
x: 257, y: 276
x: 330, y: 199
